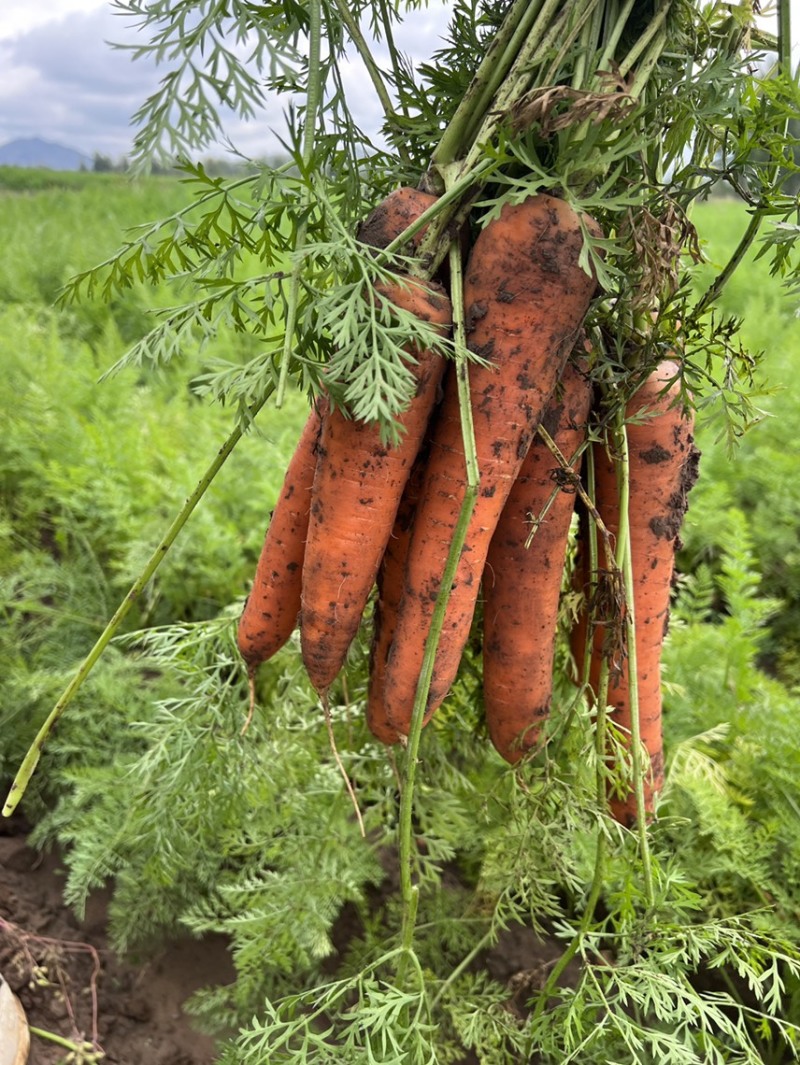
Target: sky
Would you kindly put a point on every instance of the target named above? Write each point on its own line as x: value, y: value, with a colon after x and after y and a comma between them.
x: 62, y: 81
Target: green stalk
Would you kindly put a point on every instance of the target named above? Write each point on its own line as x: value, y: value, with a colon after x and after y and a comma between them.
x: 590, y: 38
x: 462, y: 966
x: 625, y: 563
x: 582, y: 22
x: 388, y: 33
x: 594, y: 567
x: 599, y: 874
x: 601, y: 701
x: 313, y: 100
x: 31, y: 759
x: 648, y: 64
x: 408, y: 889
x: 494, y: 67
x: 375, y: 76
x: 712, y: 293
x: 553, y: 16
x: 653, y: 27
x: 466, y: 173
x: 618, y: 24
x: 785, y: 35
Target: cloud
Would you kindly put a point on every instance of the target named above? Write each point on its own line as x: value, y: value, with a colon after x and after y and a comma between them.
x: 63, y: 81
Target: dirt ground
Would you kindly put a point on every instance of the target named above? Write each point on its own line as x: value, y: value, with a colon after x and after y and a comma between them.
x: 129, y: 1012
x: 71, y: 984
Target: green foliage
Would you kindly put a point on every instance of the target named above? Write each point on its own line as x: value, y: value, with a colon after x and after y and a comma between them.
x: 678, y: 944
x: 80, y: 504
x: 759, y: 478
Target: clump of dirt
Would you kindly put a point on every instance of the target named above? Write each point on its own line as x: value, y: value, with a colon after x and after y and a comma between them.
x: 72, y: 984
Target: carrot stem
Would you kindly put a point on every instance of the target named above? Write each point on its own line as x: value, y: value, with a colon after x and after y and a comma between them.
x: 712, y: 293
x: 653, y: 28
x: 494, y: 67
x: 409, y: 891
x: 568, y: 39
x: 618, y: 23
x: 543, y: 34
x: 599, y: 874
x: 373, y: 71
x: 313, y: 98
x: 625, y: 562
x: 31, y: 759
x: 784, y: 66
x: 485, y: 940
x: 785, y: 35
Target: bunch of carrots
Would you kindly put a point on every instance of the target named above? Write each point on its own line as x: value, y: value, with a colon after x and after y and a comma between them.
x: 355, y: 512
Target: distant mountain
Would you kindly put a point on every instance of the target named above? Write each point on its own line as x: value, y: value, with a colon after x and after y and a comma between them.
x: 32, y: 151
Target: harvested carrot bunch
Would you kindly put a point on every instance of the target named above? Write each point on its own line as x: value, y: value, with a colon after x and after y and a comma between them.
x: 357, y: 513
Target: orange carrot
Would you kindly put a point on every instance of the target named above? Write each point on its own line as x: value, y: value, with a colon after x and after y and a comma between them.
x: 270, y: 613
x: 522, y: 585
x: 525, y: 297
x: 662, y: 469
x: 357, y: 489
x: 390, y: 590
x: 393, y: 215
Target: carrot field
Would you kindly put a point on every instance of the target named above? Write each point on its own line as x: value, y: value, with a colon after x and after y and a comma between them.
x: 148, y: 786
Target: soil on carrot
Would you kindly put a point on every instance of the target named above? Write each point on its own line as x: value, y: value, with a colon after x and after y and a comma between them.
x: 72, y: 984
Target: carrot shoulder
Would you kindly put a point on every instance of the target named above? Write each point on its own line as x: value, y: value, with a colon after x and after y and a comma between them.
x: 522, y: 585
x: 525, y: 298
x: 662, y: 469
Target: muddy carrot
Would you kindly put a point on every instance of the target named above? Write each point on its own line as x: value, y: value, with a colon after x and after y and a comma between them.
x: 662, y: 468
x: 522, y: 584
x: 525, y: 298
x: 390, y: 590
x: 358, y: 485
x: 270, y: 613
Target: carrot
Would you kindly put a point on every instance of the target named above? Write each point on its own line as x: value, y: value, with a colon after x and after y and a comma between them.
x: 390, y: 590
x: 522, y: 585
x: 662, y: 469
x: 357, y: 489
x: 394, y: 214
x: 271, y: 610
x: 270, y: 613
x: 525, y: 298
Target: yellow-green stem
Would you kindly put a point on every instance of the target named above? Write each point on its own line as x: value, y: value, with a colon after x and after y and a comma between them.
x: 375, y: 76
x: 409, y: 891
x: 653, y: 28
x: 599, y: 873
x: 625, y: 563
x: 494, y: 67
x: 86, y: 1051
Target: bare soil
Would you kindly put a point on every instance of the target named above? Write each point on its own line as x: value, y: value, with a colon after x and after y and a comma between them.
x: 72, y: 984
